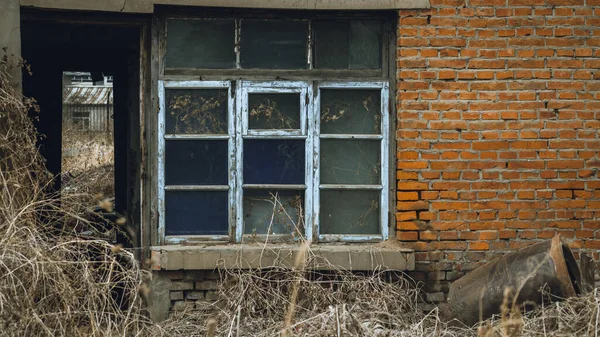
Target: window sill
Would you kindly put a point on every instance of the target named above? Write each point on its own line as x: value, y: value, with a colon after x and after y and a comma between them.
x: 361, y: 257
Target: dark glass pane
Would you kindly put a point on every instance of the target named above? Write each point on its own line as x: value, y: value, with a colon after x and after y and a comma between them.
x: 196, y: 111
x: 352, y: 44
x: 273, y: 212
x: 274, y: 111
x: 196, y: 212
x: 274, y: 44
x: 349, y: 212
x: 200, y: 44
x: 196, y: 162
x: 350, y: 111
x: 365, y: 44
x: 346, y: 161
x: 273, y: 161
x: 332, y: 45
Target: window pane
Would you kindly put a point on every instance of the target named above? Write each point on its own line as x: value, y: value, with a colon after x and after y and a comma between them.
x: 332, y: 45
x: 197, y: 111
x: 273, y: 161
x: 350, y: 111
x: 352, y: 44
x: 349, y: 212
x: 345, y: 161
x: 196, y: 213
x: 274, y: 111
x: 196, y: 162
x: 365, y: 44
x: 273, y: 212
x: 200, y: 44
x: 274, y: 44
x: 81, y: 114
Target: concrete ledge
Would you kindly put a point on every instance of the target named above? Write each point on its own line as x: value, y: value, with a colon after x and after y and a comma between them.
x: 147, y: 6
x: 250, y: 256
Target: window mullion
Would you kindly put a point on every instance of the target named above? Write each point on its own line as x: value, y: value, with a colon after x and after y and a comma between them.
x: 384, y: 217
x: 310, y: 45
x: 238, y: 158
x: 309, y: 194
x: 233, y: 172
x: 238, y: 37
x: 161, y: 163
x: 316, y: 132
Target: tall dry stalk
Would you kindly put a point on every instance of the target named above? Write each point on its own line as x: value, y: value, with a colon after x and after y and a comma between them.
x: 299, y: 267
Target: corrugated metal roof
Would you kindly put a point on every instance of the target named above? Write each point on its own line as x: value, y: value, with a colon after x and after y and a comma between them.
x: 88, y: 95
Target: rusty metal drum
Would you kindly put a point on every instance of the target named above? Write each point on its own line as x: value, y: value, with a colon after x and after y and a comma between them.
x: 545, y: 271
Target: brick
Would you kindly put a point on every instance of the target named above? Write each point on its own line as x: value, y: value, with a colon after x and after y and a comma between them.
x: 412, y: 186
x: 176, y: 295
x: 447, y: 245
x: 490, y: 64
x: 182, y: 285
x: 408, y: 206
x: 207, y: 285
x: 479, y: 245
x: 407, y: 236
x: 407, y: 196
x: 194, y: 295
x: 428, y: 235
x: 426, y: 216
x: 408, y: 225
x: 428, y: 195
x: 175, y: 274
x: 403, y: 216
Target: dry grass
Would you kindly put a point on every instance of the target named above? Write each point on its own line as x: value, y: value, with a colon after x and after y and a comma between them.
x: 87, y: 164
x: 56, y: 283
x: 255, y: 303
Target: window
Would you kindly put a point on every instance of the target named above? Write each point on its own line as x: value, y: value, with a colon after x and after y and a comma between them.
x: 247, y: 157
x: 81, y: 120
x: 294, y: 44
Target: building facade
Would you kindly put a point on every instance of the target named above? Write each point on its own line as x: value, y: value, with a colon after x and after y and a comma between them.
x: 427, y: 136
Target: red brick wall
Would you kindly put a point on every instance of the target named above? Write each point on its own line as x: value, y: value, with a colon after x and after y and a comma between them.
x: 498, y: 122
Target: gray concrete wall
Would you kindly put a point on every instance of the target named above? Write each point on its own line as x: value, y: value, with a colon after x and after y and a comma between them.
x: 10, y: 37
x: 147, y: 6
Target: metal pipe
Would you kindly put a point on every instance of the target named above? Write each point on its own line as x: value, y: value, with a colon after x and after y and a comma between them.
x: 545, y: 271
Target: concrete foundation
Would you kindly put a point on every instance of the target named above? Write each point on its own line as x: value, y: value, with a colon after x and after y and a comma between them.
x: 248, y: 256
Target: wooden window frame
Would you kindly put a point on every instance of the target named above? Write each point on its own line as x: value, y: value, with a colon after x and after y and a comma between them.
x: 163, y: 137
x: 316, y: 78
x: 388, y: 27
x: 309, y: 131
x: 383, y: 187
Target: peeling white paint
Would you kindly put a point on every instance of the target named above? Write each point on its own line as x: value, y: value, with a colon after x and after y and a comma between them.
x: 309, y: 130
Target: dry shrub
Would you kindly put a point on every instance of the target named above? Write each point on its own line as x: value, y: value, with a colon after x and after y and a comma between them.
x: 87, y: 163
x: 53, y: 282
x: 300, y: 302
x: 341, y: 303
x: 576, y: 316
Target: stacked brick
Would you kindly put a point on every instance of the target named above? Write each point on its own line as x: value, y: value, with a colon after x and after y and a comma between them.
x: 192, y: 289
x: 498, y: 109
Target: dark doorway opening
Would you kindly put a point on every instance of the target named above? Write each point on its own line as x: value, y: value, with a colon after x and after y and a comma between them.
x: 55, y: 44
